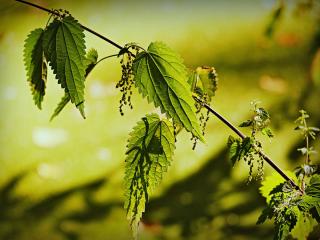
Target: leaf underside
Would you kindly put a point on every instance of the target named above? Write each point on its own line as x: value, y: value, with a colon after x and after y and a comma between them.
x: 64, y: 47
x: 159, y: 74
x: 36, y: 65
x: 149, y: 153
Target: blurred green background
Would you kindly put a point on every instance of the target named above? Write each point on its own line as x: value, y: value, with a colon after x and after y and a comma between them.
x: 63, y: 179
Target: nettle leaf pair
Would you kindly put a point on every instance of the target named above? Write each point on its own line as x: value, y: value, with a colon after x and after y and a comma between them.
x: 159, y: 75
x: 62, y: 45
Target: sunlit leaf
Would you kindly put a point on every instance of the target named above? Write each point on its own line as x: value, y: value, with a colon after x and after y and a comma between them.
x: 64, y: 47
x: 272, y: 181
x: 91, y: 60
x: 159, y: 74
x: 149, y: 153
x: 36, y: 65
x: 313, y: 188
x: 303, y: 227
x: 204, y: 82
x: 63, y: 102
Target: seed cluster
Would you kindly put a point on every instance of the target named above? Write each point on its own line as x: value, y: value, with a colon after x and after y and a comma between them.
x: 203, y: 119
x: 126, y: 81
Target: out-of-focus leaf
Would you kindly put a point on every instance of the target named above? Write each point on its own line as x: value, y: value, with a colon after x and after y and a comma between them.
x: 315, y: 68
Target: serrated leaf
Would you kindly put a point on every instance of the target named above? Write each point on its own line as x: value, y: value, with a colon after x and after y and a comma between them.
x: 286, y: 223
x: 36, y: 65
x: 313, y: 189
x: 204, y: 81
x: 91, y: 60
x: 234, y: 149
x: 64, y: 47
x: 63, y: 102
x: 209, y: 80
x: 159, y: 74
x: 272, y: 181
x: 239, y: 148
x: 303, y: 227
x: 149, y: 153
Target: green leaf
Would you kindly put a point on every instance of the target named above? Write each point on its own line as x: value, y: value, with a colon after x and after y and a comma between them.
x: 204, y: 80
x: 285, y: 223
x: 64, y: 47
x: 91, y: 60
x: 159, y: 74
x: 267, y: 131
x: 313, y: 189
x: 149, y: 153
x: 246, y: 123
x: 234, y: 149
x: 36, y: 65
x: 272, y: 181
x: 63, y: 102
x: 276, y: 15
x: 239, y: 148
x: 303, y: 227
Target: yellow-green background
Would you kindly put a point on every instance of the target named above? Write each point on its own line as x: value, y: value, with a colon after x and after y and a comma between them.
x: 63, y: 179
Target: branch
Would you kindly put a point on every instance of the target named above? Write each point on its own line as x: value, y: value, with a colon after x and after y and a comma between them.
x: 242, y: 136
x: 84, y: 27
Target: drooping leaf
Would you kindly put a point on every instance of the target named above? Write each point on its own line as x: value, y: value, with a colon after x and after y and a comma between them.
x: 159, y: 74
x: 64, y: 47
x: 36, y: 65
x: 63, y: 102
x: 91, y: 60
x: 149, y: 153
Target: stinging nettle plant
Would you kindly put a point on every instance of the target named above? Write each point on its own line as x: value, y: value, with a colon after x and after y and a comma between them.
x: 183, y: 96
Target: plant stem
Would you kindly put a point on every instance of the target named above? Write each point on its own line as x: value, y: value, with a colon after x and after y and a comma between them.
x: 242, y: 136
x: 84, y: 27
